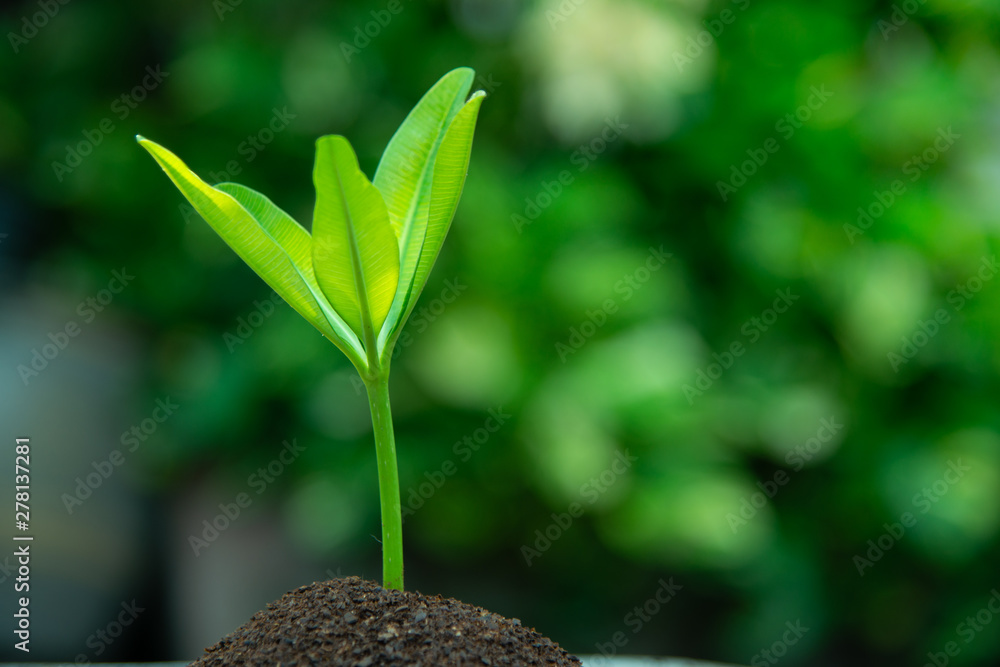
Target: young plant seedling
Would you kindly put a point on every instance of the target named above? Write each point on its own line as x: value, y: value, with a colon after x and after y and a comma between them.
x: 357, y: 277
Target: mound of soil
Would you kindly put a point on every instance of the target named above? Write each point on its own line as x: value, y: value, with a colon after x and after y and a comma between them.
x: 357, y: 623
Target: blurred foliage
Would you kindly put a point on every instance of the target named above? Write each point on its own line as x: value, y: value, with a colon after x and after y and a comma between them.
x: 608, y: 129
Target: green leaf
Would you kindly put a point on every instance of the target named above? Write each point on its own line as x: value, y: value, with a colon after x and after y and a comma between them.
x: 297, y: 244
x: 254, y: 243
x: 405, y: 175
x: 355, y: 253
x: 450, y: 170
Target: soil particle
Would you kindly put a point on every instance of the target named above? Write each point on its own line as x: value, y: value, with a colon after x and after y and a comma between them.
x: 356, y: 623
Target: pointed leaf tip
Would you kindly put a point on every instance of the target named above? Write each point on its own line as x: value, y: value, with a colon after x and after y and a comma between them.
x: 266, y: 238
x: 405, y: 175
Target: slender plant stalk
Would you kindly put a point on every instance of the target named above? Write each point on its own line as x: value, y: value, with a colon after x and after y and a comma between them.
x: 422, y: 169
x: 388, y: 482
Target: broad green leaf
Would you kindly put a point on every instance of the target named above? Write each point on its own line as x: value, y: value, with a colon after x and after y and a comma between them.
x: 406, y: 170
x: 297, y: 244
x: 283, y: 228
x: 355, y: 253
x: 448, y: 179
x: 252, y: 242
x: 450, y: 170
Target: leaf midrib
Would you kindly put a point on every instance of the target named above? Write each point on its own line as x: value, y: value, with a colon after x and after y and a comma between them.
x: 415, y: 202
x: 337, y: 328
x: 367, y: 326
x: 408, y: 226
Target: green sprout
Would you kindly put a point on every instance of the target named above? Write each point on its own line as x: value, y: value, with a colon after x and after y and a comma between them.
x: 357, y: 277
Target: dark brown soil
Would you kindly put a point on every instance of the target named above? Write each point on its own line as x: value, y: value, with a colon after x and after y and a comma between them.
x: 357, y: 623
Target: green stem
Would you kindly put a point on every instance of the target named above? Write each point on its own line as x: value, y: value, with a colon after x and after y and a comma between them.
x: 388, y: 482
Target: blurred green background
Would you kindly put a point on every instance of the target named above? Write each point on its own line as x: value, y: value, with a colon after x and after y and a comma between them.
x: 806, y: 388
